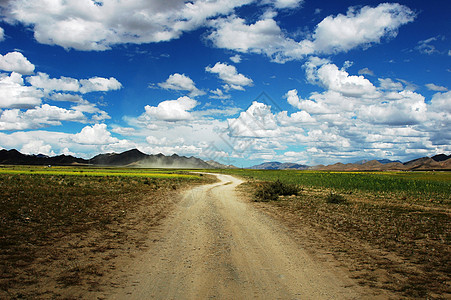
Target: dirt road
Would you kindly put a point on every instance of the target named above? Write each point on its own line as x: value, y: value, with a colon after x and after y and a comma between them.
x: 217, y: 246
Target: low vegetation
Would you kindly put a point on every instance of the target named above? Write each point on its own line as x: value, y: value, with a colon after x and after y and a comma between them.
x: 267, y: 191
x: 392, y: 228
x: 54, y: 219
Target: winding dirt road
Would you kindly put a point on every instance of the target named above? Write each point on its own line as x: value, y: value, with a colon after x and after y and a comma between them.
x: 217, y: 246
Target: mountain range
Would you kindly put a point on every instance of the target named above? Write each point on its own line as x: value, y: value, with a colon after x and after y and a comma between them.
x: 437, y: 162
x: 131, y: 158
x: 138, y: 159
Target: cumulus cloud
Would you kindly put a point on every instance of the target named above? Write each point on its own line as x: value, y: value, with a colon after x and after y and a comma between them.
x: 99, y: 84
x: 282, y: 4
x: 262, y: 37
x: 230, y: 76
x: 389, y: 84
x: 172, y: 110
x: 45, y: 115
x: 94, y: 135
x: 441, y: 102
x: 292, y: 98
x: 94, y: 84
x: 181, y: 82
x: 257, y: 121
x: 334, y: 79
x: 37, y: 147
x: 14, y: 94
x: 338, y: 123
x: 16, y: 62
x: 43, y: 81
x: 358, y: 28
x: 236, y: 58
x: 67, y: 97
x: 436, y: 88
x: 85, y: 25
x: 219, y: 94
x: 408, y: 109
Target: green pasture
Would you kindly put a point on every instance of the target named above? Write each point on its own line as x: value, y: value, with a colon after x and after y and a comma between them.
x: 429, y: 186
x: 84, y: 171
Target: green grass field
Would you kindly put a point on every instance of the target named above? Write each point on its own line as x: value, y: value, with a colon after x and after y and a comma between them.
x: 423, y: 187
x: 85, y: 171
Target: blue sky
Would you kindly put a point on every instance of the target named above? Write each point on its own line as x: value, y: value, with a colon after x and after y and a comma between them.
x: 241, y: 82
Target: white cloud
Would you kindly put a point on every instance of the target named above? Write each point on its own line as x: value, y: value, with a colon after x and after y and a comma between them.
x: 409, y: 109
x: 425, y: 46
x: 94, y: 135
x: 99, y: 84
x: 341, y: 33
x: 14, y: 94
x: 282, y: 4
x: 94, y: 84
x: 2, y: 34
x: 292, y: 98
x: 45, y: 115
x: 37, y: 147
x: 262, y: 37
x: 389, y: 84
x: 172, y: 110
x: 257, y: 121
x: 436, y: 88
x: 181, y: 82
x: 43, y: 81
x: 67, y: 97
x: 16, y: 62
x: 230, y: 76
x: 236, y: 58
x: 219, y: 94
x: 441, y: 102
x: 83, y: 25
x: 334, y: 79
x: 361, y: 27
x: 366, y: 71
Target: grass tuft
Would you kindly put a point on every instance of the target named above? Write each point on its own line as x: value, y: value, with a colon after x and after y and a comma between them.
x: 269, y: 191
x: 335, y: 198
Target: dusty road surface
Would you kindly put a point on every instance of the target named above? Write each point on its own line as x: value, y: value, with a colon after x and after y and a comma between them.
x: 216, y: 246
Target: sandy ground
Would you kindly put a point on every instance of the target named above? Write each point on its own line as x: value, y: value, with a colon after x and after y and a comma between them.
x: 217, y: 246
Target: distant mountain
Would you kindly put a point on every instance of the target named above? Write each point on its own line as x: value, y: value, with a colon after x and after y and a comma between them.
x: 118, y: 159
x: 14, y: 157
x: 131, y: 158
x: 441, y: 157
x: 438, y: 162
x: 217, y: 165
x: 275, y: 165
x: 382, y: 161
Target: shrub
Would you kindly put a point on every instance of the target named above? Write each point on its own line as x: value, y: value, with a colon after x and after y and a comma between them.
x: 335, y: 198
x: 268, y: 191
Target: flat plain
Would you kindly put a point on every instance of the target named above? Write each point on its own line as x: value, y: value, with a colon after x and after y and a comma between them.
x: 74, y: 232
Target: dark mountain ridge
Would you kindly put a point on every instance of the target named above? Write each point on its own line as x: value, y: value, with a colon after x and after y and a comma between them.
x: 130, y: 158
x: 275, y: 165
